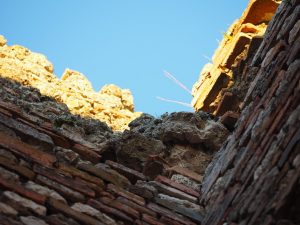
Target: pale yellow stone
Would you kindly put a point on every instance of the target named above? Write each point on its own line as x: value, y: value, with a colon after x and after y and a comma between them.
x: 111, y: 104
x: 207, y: 91
x: 2, y: 40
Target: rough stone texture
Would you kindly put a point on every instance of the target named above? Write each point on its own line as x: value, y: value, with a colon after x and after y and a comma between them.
x: 7, y: 210
x: 44, y: 191
x: 93, y: 212
x: 111, y: 104
x: 184, y: 207
x: 183, y: 138
x: 63, y: 169
x: 225, y: 73
x: 14, y: 198
x: 31, y: 220
x: 186, y: 181
x: 252, y: 179
x: 57, y: 168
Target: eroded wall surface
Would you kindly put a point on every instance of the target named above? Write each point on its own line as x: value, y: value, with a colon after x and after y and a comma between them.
x: 111, y: 104
x: 223, y: 81
x: 254, y: 178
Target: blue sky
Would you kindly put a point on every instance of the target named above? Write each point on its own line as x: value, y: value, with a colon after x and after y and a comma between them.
x: 125, y: 42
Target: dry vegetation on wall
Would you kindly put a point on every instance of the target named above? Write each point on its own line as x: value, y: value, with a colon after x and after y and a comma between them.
x: 236, y: 160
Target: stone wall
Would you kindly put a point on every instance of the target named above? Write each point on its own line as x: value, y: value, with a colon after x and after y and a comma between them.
x: 111, y: 104
x: 223, y: 82
x: 254, y: 178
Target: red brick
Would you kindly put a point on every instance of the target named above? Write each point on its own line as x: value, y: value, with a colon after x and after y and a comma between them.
x: 15, y: 187
x: 169, y: 221
x: 109, y: 210
x: 151, y: 220
x: 131, y: 174
x: 168, y: 213
x: 104, y: 172
x: 170, y: 191
x: 178, y: 186
x: 126, y: 194
x: 122, y: 207
x: 86, y: 153
x: 229, y: 102
x: 81, y: 174
x: 137, y: 207
x: 24, y: 171
x: 26, y: 150
x: 9, y: 221
x: 229, y: 119
x: 106, y: 194
x: 11, y: 107
x: 185, y: 172
x: 139, y: 222
x: 5, y: 112
x: 67, y: 181
x: 69, y: 212
x: 66, y: 192
x: 277, y: 118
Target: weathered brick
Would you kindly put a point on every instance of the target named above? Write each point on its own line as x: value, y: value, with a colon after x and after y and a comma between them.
x: 68, y: 211
x: 24, y: 171
x: 120, y: 206
x: 139, y: 222
x: 13, y: 186
x: 86, y: 153
x: 229, y: 102
x: 81, y: 174
x: 172, y: 191
x: 26, y: 150
x: 59, y: 219
x: 9, y: 221
x: 26, y: 130
x: 166, y: 220
x: 5, y: 112
x: 63, y: 190
x: 183, y: 207
x: 137, y: 207
x: 44, y: 191
x: 8, y: 175
x: 109, y: 210
x: 86, y: 209
x: 15, y: 110
x: 126, y: 194
x: 143, y: 189
x: 7, y: 210
x: 67, y: 181
x: 32, y: 220
x: 105, y: 173
x: 174, y: 184
x: 167, y: 213
x: 131, y: 174
x: 16, y: 200
x: 150, y: 220
x: 229, y: 120
x: 185, y: 172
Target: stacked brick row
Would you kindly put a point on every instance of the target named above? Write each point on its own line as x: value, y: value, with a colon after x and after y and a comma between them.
x: 53, y: 177
x: 224, y: 81
x: 255, y: 177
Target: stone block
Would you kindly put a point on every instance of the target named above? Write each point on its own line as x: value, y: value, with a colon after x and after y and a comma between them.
x: 106, y: 173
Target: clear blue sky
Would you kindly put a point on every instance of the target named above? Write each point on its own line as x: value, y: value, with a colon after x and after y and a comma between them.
x: 126, y: 42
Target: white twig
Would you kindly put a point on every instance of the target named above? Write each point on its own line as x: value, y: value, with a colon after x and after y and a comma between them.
x: 173, y: 101
x: 171, y: 77
x: 206, y: 57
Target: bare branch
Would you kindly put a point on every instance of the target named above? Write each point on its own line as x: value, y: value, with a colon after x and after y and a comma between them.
x: 174, y: 101
x: 171, y: 77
